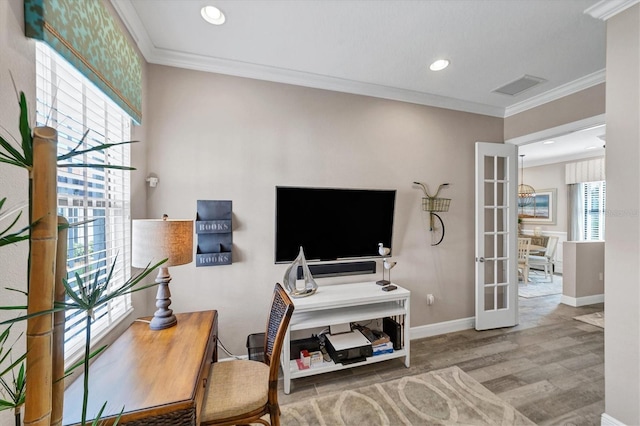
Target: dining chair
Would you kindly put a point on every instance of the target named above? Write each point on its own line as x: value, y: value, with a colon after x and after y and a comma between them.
x: 547, y: 260
x: 243, y: 391
x: 523, y: 258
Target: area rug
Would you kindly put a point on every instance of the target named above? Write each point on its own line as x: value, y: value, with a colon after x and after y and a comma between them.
x: 537, y: 287
x: 443, y: 397
x: 596, y: 318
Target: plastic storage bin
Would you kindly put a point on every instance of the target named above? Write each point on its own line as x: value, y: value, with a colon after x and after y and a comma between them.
x: 255, y: 347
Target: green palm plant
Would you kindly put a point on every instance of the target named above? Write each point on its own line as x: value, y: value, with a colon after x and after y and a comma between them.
x: 14, y: 389
x: 86, y: 296
x: 7, y: 237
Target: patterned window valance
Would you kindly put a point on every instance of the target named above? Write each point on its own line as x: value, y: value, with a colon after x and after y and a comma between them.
x: 87, y: 35
x: 585, y: 171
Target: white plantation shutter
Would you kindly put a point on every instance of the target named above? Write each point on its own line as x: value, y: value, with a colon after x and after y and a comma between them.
x: 593, y: 195
x: 69, y: 103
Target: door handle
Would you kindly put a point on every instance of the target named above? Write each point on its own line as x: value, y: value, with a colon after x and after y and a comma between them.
x: 480, y: 259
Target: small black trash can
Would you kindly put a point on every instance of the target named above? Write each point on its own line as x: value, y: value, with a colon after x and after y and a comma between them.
x: 255, y: 347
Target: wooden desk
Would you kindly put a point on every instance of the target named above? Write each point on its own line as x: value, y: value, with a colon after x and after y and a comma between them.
x: 159, y: 377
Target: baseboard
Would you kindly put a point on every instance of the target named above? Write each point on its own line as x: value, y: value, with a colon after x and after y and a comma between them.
x: 582, y: 301
x: 607, y: 420
x: 442, y: 328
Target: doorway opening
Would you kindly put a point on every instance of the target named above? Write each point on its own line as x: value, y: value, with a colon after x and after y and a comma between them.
x: 565, y: 165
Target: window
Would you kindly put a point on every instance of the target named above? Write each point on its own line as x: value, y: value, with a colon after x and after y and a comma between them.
x: 68, y: 102
x: 593, y: 197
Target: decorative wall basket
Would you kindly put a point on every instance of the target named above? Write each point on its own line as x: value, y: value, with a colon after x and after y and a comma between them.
x: 433, y: 204
x: 290, y: 275
x: 430, y: 204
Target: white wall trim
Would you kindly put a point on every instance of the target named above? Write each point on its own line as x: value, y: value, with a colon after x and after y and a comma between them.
x: 607, y: 420
x: 606, y: 9
x: 582, y: 301
x: 570, y: 88
x: 445, y: 327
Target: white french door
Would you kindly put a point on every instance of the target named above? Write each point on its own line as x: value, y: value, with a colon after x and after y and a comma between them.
x: 496, y: 257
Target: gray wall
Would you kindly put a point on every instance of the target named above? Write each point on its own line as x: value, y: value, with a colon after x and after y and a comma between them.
x: 220, y: 137
x: 577, y: 106
x: 622, y: 292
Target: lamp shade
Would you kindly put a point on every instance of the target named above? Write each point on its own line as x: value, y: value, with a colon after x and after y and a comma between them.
x: 158, y: 239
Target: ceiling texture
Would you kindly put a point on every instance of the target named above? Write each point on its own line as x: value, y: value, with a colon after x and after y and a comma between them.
x: 383, y: 48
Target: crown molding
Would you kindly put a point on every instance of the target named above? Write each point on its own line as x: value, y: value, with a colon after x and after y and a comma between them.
x: 606, y: 9
x: 153, y: 55
x: 557, y: 93
x: 316, y: 81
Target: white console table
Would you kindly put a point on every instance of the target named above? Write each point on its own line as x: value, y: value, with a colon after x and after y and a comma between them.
x: 338, y: 304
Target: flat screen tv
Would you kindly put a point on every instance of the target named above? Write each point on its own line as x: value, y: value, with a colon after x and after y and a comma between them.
x: 332, y: 223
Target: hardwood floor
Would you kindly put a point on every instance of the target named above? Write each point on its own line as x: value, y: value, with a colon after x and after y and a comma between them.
x: 550, y: 367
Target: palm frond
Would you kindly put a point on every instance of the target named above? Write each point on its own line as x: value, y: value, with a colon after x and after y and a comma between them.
x: 13, y: 365
x: 25, y: 131
x: 5, y: 405
x: 81, y: 362
x: 26, y: 317
x: 12, y: 156
x: 17, y: 290
x: 102, y: 147
x: 97, y: 166
x: 13, y: 308
x: 90, y: 296
x: 14, y: 237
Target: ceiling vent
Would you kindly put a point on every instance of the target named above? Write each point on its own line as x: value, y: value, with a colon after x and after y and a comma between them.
x: 518, y: 86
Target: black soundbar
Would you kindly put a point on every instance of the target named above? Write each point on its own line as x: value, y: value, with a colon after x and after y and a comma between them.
x: 339, y: 269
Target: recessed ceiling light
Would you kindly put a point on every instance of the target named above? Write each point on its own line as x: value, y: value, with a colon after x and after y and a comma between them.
x: 548, y: 142
x: 439, y: 65
x: 212, y: 15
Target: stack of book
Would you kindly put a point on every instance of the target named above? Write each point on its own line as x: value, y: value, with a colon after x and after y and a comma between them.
x: 380, y: 341
x: 383, y: 348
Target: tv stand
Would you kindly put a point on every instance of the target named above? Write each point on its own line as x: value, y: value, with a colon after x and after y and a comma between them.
x: 339, y: 304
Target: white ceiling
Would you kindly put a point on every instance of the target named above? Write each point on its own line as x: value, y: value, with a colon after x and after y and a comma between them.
x: 585, y: 143
x: 383, y: 48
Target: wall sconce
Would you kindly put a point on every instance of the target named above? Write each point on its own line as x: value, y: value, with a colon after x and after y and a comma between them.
x: 153, y: 181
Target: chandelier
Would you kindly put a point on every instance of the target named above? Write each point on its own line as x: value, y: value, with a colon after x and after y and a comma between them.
x: 526, y: 193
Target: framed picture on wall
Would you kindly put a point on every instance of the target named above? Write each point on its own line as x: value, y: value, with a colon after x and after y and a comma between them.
x: 541, y: 209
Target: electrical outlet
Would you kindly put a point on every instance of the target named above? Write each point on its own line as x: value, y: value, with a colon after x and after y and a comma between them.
x: 601, y: 276
x: 430, y: 299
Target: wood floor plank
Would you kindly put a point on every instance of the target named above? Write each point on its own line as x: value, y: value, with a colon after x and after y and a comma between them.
x: 550, y: 366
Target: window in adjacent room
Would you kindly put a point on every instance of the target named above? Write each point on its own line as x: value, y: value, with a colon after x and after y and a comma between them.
x: 593, y: 196
x: 71, y: 104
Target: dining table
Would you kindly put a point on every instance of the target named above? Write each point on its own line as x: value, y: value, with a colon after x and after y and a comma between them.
x: 537, y: 249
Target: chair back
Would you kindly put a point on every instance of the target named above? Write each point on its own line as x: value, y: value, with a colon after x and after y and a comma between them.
x: 277, y: 324
x: 552, y: 244
x: 523, y: 249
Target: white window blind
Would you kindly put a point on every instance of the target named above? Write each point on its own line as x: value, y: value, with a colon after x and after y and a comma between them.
x: 593, y: 196
x: 69, y: 103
